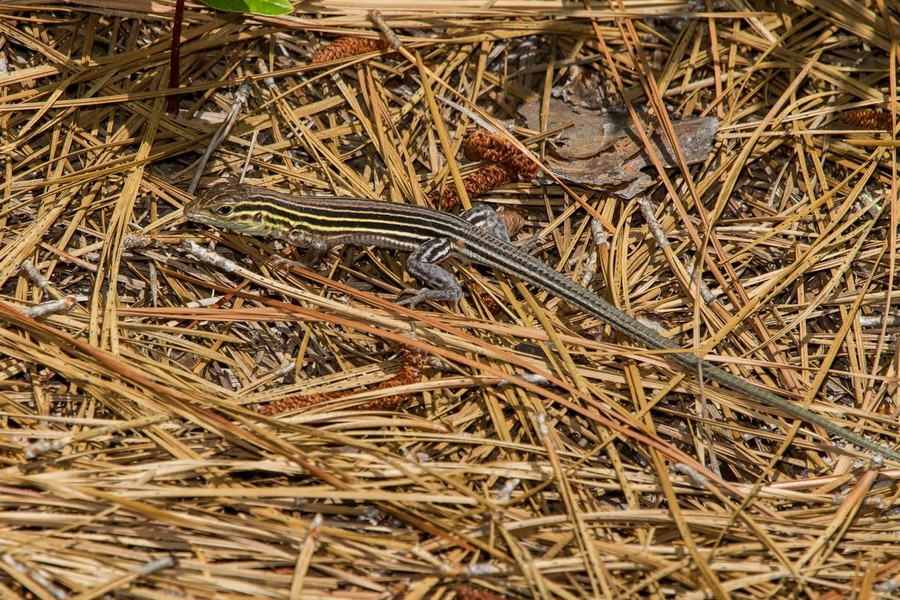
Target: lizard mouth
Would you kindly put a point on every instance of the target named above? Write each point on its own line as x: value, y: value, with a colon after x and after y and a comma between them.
x: 192, y: 212
x: 196, y: 217
x: 197, y: 214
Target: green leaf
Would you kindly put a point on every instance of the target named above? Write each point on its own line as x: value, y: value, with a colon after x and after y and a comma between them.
x: 256, y: 7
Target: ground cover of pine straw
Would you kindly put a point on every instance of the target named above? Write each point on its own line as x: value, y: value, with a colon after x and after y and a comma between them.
x: 170, y: 429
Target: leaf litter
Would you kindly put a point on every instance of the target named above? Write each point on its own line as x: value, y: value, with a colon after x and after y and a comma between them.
x: 535, y: 454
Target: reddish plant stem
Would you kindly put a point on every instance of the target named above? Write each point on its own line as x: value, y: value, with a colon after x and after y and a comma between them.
x: 174, y: 59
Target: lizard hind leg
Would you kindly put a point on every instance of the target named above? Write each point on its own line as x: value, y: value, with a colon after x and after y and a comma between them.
x: 422, y: 264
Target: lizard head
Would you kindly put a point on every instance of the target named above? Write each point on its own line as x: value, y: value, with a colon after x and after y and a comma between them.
x: 229, y: 206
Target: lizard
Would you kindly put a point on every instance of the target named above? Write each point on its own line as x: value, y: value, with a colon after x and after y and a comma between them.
x: 319, y: 222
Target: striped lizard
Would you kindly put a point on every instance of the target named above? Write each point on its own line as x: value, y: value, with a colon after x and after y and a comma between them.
x: 318, y: 222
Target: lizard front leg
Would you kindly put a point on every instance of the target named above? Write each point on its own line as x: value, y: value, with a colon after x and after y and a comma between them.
x: 315, y: 247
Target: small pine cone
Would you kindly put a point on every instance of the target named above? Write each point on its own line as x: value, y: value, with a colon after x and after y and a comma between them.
x: 295, y: 402
x: 523, y: 166
x: 868, y: 118
x: 345, y: 47
x: 482, y: 145
x: 409, y: 373
x: 479, y: 182
x: 490, y: 303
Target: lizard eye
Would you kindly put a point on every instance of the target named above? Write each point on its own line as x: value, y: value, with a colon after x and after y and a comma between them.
x: 224, y: 210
